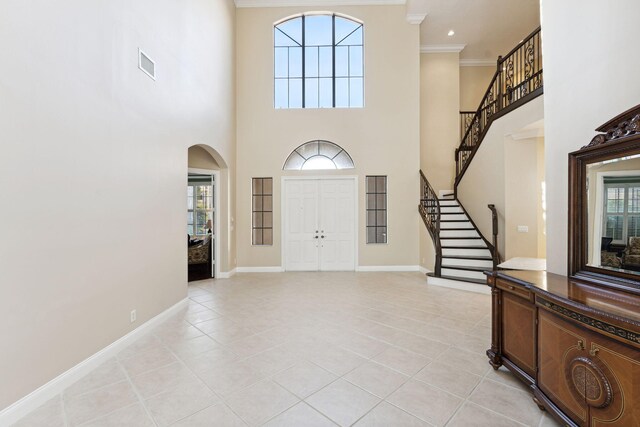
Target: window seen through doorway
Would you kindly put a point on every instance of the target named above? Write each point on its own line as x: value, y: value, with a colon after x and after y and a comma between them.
x: 199, y: 205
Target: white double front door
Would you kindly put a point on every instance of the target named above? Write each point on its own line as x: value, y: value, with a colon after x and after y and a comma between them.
x: 319, y: 224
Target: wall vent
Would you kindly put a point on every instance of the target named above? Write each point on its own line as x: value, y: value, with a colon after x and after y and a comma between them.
x: 146, y: 64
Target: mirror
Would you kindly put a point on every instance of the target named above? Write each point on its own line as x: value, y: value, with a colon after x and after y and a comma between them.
x: 613, y: 214
x: 604, y: 205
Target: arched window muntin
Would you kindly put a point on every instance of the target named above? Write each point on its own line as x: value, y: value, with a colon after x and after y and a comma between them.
x: 318, y: 155
x: 319, y: 61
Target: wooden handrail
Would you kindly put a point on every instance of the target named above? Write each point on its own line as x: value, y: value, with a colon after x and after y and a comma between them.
x: 494, y: 232
x: 429, y: 209
x: 518, y: 79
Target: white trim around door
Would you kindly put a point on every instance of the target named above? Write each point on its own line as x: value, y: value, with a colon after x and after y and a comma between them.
x: 284, y: 222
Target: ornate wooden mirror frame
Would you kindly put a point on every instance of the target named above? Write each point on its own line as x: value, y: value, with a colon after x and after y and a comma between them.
x: 619, y: 137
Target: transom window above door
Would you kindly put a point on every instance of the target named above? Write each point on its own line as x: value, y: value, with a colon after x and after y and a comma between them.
x: 318, y: 62
x: 318, y: 155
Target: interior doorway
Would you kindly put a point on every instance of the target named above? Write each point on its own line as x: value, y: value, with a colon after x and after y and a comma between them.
x: 203, y: 224
x: 319, y: 223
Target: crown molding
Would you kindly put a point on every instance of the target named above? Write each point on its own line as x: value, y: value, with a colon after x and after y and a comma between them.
x: 310, y: 3
x: 416, y: 18
x: 442, y: 48
x: 477, y: 63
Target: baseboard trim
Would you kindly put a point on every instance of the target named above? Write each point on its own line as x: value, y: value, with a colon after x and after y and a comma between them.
x: 373, y: 268
x: 275, y: 269
x: 462, y: 286
x: 41, y: 395
x: 423, y: 270
x: 228, y: 274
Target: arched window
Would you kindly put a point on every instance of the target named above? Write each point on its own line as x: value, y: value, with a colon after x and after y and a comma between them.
x: 315, y: 155
x: 318, y: 62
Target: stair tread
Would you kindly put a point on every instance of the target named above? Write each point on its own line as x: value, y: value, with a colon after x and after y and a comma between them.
x: 473, y: 257
x: 466, y: 267
x: 459, y: 238
x: 454, y: 220
x: 464, y: 279
x: 456, y: 229
x: 465, y: 247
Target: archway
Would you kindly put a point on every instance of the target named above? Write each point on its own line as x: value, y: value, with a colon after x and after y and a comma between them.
x: 207, y: 213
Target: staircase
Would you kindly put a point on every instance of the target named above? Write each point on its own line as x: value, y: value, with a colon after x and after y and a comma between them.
x: 465, y: 253
x: 462, y: 253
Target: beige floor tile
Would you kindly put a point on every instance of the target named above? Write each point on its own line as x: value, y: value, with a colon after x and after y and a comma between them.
x: 230, y: 334
x: 193, y: 347
x: 337, y: 360
x: 215, y: 415
x: 217, y: 324
x: 425, y: 402
x: 147, y: 361
x: 471, y: 415
x: 504, y: 376
x: 304, y: 379
x: 130, y: 416
x: 364, y: 346
x: 96, y: 403
x: 47, y: 415
x: 402, y: 360
x: 180, y: 402
x: 250, y: 346
x: 343, y: 402
x: 227, y: 378
x: 162, y: 379
x: 272, y: 361
x: 143, y: 344
x: 260, y: 402
x: 300, y: 415
x: 175, y: 335
x: 107, y: 373
x: 201, y: 316
x: 386, y: 415
x: 547, y: 421
x: 209, y: 359
x: 508, y: 401
x: 460, y: 383
x: 465, y: 360
x: 376, y: 379
x: 423, y: 346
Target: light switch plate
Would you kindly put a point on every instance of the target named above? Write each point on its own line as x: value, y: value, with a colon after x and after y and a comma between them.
x: 523, y: 229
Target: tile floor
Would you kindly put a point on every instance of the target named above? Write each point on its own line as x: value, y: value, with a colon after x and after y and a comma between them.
x: 306, y: 349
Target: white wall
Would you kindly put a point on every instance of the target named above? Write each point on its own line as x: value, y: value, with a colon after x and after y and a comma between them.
x: 93, y: 168
x: 523, y: 203
x: 382, y: 137
x: 590, y: 76
x: 474, y: 82
x: 439, y: 117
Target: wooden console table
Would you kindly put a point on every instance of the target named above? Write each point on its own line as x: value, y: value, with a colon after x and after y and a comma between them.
x: 577, y: 345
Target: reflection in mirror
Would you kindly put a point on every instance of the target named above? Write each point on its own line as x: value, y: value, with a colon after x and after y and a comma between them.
x: 613, y: 216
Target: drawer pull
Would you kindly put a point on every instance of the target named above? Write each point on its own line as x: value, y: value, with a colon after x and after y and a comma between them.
x: 593, y: 352
x: 580, y: 345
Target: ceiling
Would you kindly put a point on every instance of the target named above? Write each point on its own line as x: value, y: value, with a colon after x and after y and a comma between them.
x: 488, y: 28
x: 485, y: 28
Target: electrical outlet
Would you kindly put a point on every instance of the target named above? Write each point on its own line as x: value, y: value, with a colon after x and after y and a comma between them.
x: 523, y: 229
x: 133, y: 316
